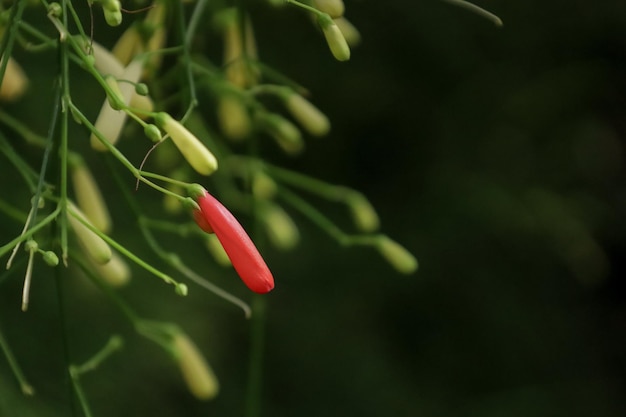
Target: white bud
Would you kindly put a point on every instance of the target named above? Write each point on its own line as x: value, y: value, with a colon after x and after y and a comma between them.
x: 335, y: 8
x: 89, y: 197
x: 97, y: 249
x: 334, y: 38
x: 14, y: 82
x: 310, y: 117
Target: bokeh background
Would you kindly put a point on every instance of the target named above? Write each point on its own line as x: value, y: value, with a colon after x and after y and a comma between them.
x: 496, y: 155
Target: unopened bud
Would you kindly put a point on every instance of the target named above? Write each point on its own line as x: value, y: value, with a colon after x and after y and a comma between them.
x: 114, y: 96
x: 50, y: 258
x: 194, y: 151
x: 31, y: 246
x: 181, y: 289
x: 350, y: 32
x: 284, y: 132
x: 334, y: 38
x: 112, y: 12
x: 54, y: 9
x: 152, y: 132
x: 233, y: 117
x: 335, y: 8
x: 363, y: 213
x: 88, y: 196
x: 310, y: 117
x: 14, y: 83
x: 197, y: 373
x: 281, y: 230
x: 97, y: 249
x: 400, y: 258
x: 263, y: 186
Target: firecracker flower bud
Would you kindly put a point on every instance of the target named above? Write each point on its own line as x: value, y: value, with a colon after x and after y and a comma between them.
x: 334, y: 38
x: 400, y: 258
x: 14, y: 83
x: 350, y: 32
x: 363, y: 213
x: 194, y: 151
x: 88, y: 195
x: 283, y: 131
x: 281, y: 230
x: 152, y: 132
x: 240, y: 249
x: 310, y: 117
x: 112, y: 12
x: 196, y: 372
x: 233, y: 117
x: 97, y: 249
x: 334, y: 8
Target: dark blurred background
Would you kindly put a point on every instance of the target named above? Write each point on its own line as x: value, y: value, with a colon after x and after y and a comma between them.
x: 494, y: 154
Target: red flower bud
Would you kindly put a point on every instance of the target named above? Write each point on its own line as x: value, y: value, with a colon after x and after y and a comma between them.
x: 238, y: 246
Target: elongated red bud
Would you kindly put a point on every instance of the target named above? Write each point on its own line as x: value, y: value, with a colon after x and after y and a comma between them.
x: 240, y: 249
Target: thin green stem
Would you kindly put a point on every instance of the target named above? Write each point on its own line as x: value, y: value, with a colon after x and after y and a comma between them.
x: 166, y: 278
x: 26, y: 387
x: 184, y: 34
x: 6, y: 248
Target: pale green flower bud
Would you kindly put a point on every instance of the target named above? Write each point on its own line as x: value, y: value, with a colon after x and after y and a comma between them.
x: 263, y: 186
x: 400, y: 258
x: 281, y: 230
x: 97, y: 249
x: 334, y: 8
x: 334, y: 38
x: 50, y: 258
x: 310, y: 117
x: 196, y: 372
x: 194, y: 151
x: 152, y: 132
x: 89, y: 197
x: 112, y: 12
x: 363, y: 212
x: 283, y: 131
x: 233, y: 117
x: 350, y: 32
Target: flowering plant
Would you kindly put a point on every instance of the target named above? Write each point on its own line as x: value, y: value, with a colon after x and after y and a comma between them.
x: 209, y: 122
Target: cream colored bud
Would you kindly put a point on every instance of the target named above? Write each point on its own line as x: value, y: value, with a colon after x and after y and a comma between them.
x: 128, y: 45
x: 143, y: 103
x: 110, y: 121
x: 350, y: 32
x: 310, y: 117
x: 196, y: 372
x: 97, y: 249
x: 116, y: 272
x: 114, y: 96
x: 233, y: 117
x: 363, y: 213
x: 281, y: 230
x: 14, y: 82
x: 216, y: 250
x: 89, y: 197
x: 400, y: 258
x: 106, y: 63
x: 194, y: 151
x: 334, y: 8
x: 334, y: 38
